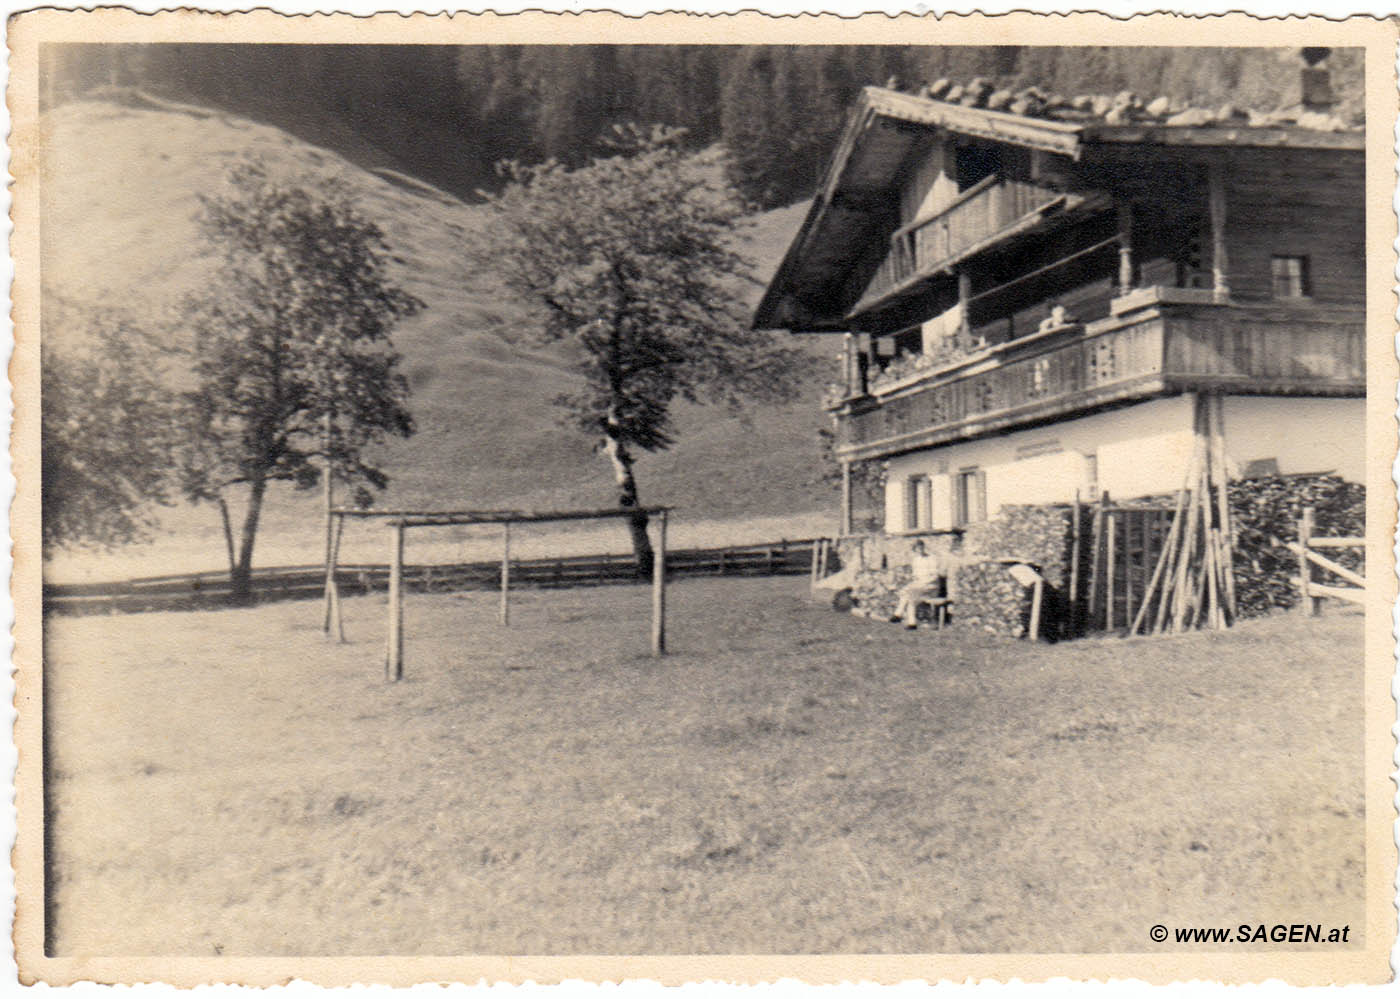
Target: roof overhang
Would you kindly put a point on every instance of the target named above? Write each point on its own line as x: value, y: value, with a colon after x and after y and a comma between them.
x: 884, y: 126
x: 854, y: 195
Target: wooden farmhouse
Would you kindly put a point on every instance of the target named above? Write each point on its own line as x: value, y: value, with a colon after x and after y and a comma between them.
x: 1038, y: 294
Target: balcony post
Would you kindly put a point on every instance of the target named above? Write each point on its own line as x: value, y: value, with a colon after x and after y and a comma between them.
x: 1220, y: 262
x: 964, y: 310
x: 848, y: 363
x: 1126, y: 279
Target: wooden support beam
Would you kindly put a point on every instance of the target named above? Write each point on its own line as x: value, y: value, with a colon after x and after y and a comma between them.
x: 1074, y: 531
x: 658, y: 589
x: 1220, y: 257
x: 847, y: 513
x: 1126, y: 269
x: 1222, y: 483
x: 393, y: 660
x: 1110, y: 570
x: 336, y: 624
x: 964, y: 310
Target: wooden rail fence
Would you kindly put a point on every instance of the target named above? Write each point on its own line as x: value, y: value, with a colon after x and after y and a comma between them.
x: 1309, y: 589
x: 304, y: 582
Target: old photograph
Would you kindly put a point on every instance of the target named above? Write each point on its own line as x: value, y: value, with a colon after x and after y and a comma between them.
x: 489, y: 491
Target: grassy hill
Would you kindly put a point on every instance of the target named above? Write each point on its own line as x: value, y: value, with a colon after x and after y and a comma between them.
x: 120, y: 191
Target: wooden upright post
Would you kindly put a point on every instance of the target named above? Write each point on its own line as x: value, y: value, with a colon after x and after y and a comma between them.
x: 1308, y: 605
x: 1126, y: 277
x: 1074, y: 531
x: 847, y: 514
x: 335, y: 624
x: 1110, y: 569
x: 1220, y: 257
x: 393, y: 661
x: 964, y: 310
x: 328, y: 502
x: 658, y: 590
x: 505, y: 576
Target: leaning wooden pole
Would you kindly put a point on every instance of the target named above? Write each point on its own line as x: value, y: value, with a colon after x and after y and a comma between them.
x: 1110, y: 571
x: 1227, y: 533
x: 658, y: 590
x: 1096, y: 551
x: 393, y: 660
x: 1162, y: 561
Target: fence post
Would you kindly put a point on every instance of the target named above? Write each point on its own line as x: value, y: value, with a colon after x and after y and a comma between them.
x: 1308, y: 606
x: 393, y: 662
x: 658, y: 590
x: 505, y: 576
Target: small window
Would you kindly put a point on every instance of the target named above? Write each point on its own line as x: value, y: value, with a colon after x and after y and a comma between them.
x: 969, y: 497
x: 1291, y: 277
x: 918, y: 503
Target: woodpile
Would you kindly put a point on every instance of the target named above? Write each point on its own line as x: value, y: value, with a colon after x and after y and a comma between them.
x: 1265, y: 511
x: 1193, y: 582
x: 1037, y: 535
x: 875, y: 592
x: 990, y: 599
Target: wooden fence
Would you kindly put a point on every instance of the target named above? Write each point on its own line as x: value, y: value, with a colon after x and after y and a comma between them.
x: 1309, y: 588
x: 211, y: 589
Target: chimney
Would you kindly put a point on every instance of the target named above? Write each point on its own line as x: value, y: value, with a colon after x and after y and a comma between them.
x: 1317, y: 81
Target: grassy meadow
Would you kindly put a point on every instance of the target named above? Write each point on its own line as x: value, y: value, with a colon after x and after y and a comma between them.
x: 789, y: 779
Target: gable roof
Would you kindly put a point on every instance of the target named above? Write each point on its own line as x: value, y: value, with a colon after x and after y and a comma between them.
x: 859, y: 192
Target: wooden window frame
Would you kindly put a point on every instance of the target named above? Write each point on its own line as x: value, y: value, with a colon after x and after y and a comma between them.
x: 969, y: 496
x: 1303, y: 277
x: 917, y: 488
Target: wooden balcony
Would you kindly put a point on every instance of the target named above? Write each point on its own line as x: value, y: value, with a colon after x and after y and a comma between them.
x: 1157, y: 350
x: 986, y: 210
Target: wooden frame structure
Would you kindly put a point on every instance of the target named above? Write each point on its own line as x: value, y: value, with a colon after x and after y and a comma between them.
x: 401, y: 520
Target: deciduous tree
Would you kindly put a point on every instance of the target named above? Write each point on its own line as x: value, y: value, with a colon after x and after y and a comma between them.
x: 291, y: 350
x: 631, y: 263
x: 105, y: 435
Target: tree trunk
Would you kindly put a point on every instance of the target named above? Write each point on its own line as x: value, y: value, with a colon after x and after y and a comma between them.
x: 241, y: 574
x: 627, y: 498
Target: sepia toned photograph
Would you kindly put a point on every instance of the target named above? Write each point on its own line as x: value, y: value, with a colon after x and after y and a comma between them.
x: 486, y: 492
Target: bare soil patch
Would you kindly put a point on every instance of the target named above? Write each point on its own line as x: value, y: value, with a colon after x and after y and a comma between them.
x: 789, y: 780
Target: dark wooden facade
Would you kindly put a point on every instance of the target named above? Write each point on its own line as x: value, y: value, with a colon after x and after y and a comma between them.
x: 1181, y: 259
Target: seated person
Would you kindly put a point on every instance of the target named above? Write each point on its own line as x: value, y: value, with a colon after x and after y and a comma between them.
x: 931, y: 578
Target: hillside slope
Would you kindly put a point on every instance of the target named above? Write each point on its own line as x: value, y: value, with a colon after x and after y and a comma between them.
x: 120, y: 192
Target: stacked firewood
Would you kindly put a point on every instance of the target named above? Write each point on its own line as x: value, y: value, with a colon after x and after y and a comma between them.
x: 875, y: 592
x: 1193, y: 583
x: 1265, y: 511
x: 1039, y: 535
x: 990, y: 599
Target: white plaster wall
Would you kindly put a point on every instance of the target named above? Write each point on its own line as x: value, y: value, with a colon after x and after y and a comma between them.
x: 1141, y: 450
x: 1304, y: 435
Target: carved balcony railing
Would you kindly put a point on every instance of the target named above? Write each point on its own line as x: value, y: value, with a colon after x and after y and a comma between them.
x: 1158, y: 350
x: 981, y: 212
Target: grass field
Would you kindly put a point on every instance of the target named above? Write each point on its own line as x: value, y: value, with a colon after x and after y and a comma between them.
x: 788, y: 780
